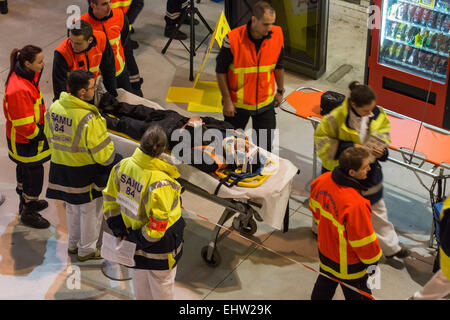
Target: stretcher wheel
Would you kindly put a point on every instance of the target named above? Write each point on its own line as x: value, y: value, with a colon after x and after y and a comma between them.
x: 250, y: 229
x: 215, y: 260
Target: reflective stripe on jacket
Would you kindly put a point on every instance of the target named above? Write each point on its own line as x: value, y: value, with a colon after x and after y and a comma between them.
x: 81, y: 150
x: 144, y: 192
x: 24, y: 109
x: 89, y: 60
x: 346, y: 239
x: 444, y: 233
x: 112, y: 27
x: 333, y: 129
x: 124, y: 5
x: 251, y: 78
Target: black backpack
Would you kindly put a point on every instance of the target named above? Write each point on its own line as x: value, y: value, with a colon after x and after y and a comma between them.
x: 330, y: 100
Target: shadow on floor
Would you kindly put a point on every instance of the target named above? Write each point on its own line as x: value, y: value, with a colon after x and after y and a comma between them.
x: 22, y: 249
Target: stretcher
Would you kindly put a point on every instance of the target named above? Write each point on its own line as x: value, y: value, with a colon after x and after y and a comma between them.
x: 426, y: 149
x: 266, y: 203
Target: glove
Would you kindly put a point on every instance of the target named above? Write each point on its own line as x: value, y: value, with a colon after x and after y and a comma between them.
x: 117, y: 226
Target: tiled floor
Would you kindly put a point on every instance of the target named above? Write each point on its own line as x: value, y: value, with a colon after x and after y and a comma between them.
x: 269, y: 265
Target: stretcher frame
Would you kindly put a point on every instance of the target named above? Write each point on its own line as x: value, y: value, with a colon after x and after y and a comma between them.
x: 408, y: 158
x: 242, y: 209
x: 243, y: 223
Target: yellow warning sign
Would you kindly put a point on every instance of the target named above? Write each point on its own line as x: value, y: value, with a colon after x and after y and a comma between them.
x: 205, y: 96
x: 220, y: 31
x: 211, y: 100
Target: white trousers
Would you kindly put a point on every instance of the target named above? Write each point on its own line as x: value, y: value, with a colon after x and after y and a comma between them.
x: 437, y: 288
x: 153, y: 284
x: 84, y: 222
x: 384, y: 229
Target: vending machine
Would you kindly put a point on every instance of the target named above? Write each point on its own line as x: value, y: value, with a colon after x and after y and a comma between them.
x: 407, y: 61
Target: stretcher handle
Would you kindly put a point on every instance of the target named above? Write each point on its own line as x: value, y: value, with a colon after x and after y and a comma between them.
x: 426, y: 125
x: 302, y: 89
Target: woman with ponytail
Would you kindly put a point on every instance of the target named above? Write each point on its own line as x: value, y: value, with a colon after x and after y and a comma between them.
x: 24, y: 110
x: 351, y: 125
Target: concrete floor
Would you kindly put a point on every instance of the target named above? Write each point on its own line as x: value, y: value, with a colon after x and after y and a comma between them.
x: 269, y: 265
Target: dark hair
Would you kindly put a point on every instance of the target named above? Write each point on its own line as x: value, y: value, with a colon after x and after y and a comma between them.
x: 361, y: 94
x: 85, y: 29
x: 79, y: 79
x: 27, y: 53
x: 352, y: 158
x: 154, y: 141
x: 260, y: 8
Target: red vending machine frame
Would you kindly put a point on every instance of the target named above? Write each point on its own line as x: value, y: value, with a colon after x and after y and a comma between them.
x: 403, y: 92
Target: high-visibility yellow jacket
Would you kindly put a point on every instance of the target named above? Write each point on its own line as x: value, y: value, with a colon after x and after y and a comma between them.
x: 143, y: 196
x: 346, y: 239
x: 82, y: 151
x: 444, y: 233
x: 334, y: 130
x: 24, y: 109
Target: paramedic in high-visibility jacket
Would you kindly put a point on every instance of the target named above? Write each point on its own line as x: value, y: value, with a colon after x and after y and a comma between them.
x: 347, y: 242
x: 24, y: 109
x: 249, y: 65
x: 438, y: 286
x: 142, y: 205
x: 114, y: 23
x: 354, y: 123
x: 84, y: 49
x: 82, y: 157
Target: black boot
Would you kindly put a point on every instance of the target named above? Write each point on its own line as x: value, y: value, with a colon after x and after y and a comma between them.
x: 133, y: 44
x: 33, y: 219
x: 4, y: 7
x: 172, y: 32
x: 36, y: 205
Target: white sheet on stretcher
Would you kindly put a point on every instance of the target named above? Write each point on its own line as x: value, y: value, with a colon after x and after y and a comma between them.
x: 273, y: 193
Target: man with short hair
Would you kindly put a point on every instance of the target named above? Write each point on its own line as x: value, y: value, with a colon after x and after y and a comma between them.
x: 114, y: 23
x: 347, y: 242
x: 82, y: 155
x: 248, y: 65
x: 84, y: 49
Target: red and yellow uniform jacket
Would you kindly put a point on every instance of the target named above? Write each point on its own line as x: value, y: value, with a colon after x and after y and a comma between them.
x: 23, y: 106
x: 115, y: 26
x: 124, y: 5
x: 346, y: 239
x: 251, y: 78
x: 97, y: 58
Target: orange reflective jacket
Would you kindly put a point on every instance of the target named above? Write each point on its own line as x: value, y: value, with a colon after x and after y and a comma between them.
x: 346, y: 239
x: 89, y: 60
x: 124, y: 5
x: 251, y: 78
x: 24, y: 110
x: 112, y: 27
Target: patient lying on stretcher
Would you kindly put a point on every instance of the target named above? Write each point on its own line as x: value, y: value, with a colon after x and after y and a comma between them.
x: 211, y: 145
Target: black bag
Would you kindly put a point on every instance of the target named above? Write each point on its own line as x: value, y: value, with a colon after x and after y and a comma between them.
x: 330, y: 100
